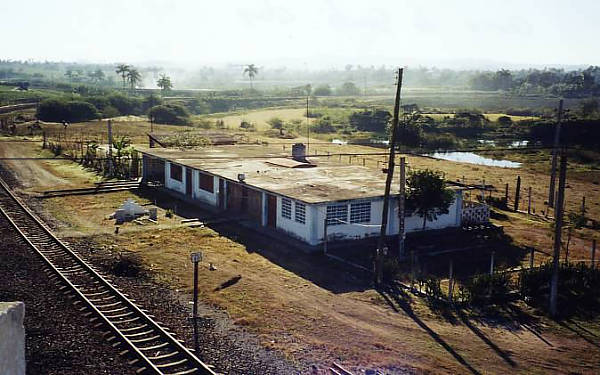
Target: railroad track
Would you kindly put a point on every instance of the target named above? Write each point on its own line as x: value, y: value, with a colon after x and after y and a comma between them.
x: 151, y: 347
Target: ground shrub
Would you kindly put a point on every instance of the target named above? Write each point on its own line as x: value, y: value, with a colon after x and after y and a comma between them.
x: 171, y: 114
x: 127, y: 265
x: 485, y: 288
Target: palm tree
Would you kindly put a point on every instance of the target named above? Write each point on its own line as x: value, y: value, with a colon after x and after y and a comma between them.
x: 123, y: 70
x: 164, y: 82
x: 134, y: 77
x: 252, y: 72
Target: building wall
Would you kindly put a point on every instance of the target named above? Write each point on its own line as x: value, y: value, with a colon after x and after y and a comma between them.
x: 203, y: 195
x: 173, y: 184
x: 303, y: 232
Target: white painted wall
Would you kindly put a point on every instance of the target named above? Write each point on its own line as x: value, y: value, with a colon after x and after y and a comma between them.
x: 172, y: 184
x: 293, y: 228
x: 203, y: 195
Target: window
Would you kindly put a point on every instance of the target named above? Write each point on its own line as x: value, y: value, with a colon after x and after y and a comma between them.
x: 286, y: 208
x: 300, y: 212
x: 176, y: 172
x: 360, y: 212
x: 337, y: 214
x: 206, y: 182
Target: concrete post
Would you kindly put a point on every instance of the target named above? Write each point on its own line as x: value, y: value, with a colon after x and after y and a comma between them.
x: 12, y: 338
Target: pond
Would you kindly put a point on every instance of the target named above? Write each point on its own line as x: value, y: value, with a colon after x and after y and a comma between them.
x: 472, y: 158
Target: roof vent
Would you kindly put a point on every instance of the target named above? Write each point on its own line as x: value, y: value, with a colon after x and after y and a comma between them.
x: 299, y: 152
x: 241, y: 177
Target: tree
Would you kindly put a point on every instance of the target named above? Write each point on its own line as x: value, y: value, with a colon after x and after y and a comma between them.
x: 164, y: 82
x: 348, y: 89
x: 322, y: 90
x: 172, y: 114
x: 371, y: 120
x: 134, y: 77
x: 427, y: 194
x: 589, y: 107
x: 252, y: 71
x: 276, y: 123
x: 123, y: 70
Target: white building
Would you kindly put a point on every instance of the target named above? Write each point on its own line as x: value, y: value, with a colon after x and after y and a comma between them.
x: 290, y: 195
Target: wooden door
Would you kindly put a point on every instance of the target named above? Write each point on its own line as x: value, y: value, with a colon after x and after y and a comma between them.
x: 271, y: 211
x: 188, y: 181
x: 221, y: 193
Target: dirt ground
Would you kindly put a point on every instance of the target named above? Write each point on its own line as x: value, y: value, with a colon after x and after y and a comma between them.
x: 316, y: 311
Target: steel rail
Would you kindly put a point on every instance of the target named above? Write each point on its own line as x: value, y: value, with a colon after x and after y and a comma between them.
x: 148, y: 363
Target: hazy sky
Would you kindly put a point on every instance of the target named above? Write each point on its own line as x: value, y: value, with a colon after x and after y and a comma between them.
x: 312, y: 33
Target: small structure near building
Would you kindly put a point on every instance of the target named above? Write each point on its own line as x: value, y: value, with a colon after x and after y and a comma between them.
x: 128, y: 211
x: 293, y: 194
x: 12, y: 338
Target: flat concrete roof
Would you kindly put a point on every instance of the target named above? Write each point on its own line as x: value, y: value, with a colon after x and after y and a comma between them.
x: 273, y: 170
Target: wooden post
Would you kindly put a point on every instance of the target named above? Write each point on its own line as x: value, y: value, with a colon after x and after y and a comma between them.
x: 568, y: 242
x: 517, y: 193
x: 492, y: 263
x: 555, y: 156
x: 325, y: 235
x: 593, y: 253
x: 44, y: 145
x: 388, y: 182
x: 363, y: 162
x: 531, y: 254
x: 450, y: 281
x: 583, y: 206
x: 558, y: 221
x: 401, y: 204
x: 483, y: 190
x: 529, y: 204
x: 506, y: 194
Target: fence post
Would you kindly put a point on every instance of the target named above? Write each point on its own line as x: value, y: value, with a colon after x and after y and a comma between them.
x: 450, y: 281
x: 583, y: 206
x: 531, y: 254
x: 492, y: 263
x: 517, y: 193
x: 529, y: 204
x: 594, y: 253
x: 506, y: 194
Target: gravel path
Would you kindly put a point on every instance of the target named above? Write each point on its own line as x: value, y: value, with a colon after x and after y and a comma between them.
x: 58, y: 339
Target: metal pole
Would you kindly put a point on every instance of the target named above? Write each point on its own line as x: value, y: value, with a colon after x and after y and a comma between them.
x: 110, y: 143
x: 492, y: 263
x: 195, y: 312
x: 555, y: 155
x: 307, y: 128
x: 558, y: 221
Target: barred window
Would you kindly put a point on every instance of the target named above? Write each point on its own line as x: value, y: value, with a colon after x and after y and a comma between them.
x: 176, y: 172
x: 206, y: 182
x: 337, y: 214
x: 286, y: 208
x: 300, y: 212
x: 360, y: 212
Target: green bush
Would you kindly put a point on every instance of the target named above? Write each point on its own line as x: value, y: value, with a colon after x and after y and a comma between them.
x: 171, y: 114
x: 57, y: 110
x: 125, y: 105
x: 486, y: 288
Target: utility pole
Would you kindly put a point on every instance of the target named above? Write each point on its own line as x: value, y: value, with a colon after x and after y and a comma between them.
x: 110, y: 143
x: 388, y: 183
x: 558, y: 221
x: 555, y: 155
x: 401, y: 203
x: 307, y: 127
